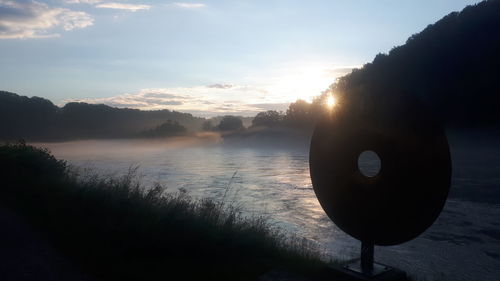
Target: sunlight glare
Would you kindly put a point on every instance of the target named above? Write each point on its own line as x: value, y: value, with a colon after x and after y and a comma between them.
x: 300, y: 80
x: 330, y: 101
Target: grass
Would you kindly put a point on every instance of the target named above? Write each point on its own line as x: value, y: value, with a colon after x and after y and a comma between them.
x: 115, y: 229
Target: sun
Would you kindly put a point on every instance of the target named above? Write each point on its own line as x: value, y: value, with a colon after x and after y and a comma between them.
x: 330, y: 101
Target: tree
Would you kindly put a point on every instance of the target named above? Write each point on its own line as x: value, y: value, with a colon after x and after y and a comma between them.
x: 230, y: 123
x: 270, y: 118
x: 169, y: 128
x: 207, y: 125
x: 298, y: 114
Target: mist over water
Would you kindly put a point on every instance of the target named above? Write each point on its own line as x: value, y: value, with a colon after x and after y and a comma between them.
x: 272, y: 179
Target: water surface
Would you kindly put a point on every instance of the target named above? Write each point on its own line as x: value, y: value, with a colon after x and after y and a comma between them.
x: 463, y: 244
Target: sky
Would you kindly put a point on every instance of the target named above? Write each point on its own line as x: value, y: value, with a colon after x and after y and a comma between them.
x: 206, y: 57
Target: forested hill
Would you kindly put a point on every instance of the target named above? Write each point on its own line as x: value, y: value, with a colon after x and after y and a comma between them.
x: 453, y: 64
x: 39, y: 119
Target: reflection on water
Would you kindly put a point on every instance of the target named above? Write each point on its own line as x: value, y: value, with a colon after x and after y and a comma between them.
x: 463, y: 244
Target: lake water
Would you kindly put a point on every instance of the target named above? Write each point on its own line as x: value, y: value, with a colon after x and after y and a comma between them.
x: 273, y: 180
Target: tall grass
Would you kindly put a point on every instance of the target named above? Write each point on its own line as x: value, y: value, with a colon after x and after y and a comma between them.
x: 116, y: 229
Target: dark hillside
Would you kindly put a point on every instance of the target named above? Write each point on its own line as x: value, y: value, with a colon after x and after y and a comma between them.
x: 26, y: 117
x: 452, y: 64
x: 39, y: 119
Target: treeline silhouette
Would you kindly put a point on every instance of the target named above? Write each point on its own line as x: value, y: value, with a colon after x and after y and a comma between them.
x: 300, y: 115
x: 39, y: 119
x: 452, y: 66
x: 227, y: 123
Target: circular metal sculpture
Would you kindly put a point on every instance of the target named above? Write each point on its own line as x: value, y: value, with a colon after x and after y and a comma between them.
x: 411, y: 187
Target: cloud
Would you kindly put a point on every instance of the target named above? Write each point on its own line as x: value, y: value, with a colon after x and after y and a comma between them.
x: 189, y: 5
x: 160, y: 94
x: 83, y: 1
x: 32, y: 19
x: 272, y: 106
x: 144, y: 99
x: 220, y: 86
x: 123, y: 6
x: 273, y: 91
x: 198, y: 100
x: 111, y: 5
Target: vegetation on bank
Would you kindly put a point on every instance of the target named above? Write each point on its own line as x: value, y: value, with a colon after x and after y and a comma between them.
x: 167, y: 129
x: 115, y: 229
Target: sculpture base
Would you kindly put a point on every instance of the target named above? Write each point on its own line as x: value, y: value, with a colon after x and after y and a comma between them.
x: 380, y: 272
x: 376, y: 270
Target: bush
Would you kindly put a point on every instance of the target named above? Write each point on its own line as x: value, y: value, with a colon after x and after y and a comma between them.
x: 24, y: 164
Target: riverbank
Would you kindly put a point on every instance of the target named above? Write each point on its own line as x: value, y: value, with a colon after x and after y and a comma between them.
x: 116, y: 229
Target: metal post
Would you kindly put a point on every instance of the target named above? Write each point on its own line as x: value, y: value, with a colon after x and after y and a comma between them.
x: 367, y: 250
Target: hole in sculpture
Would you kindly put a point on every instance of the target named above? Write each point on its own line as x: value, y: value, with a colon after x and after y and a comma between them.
x: 369, y: 163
